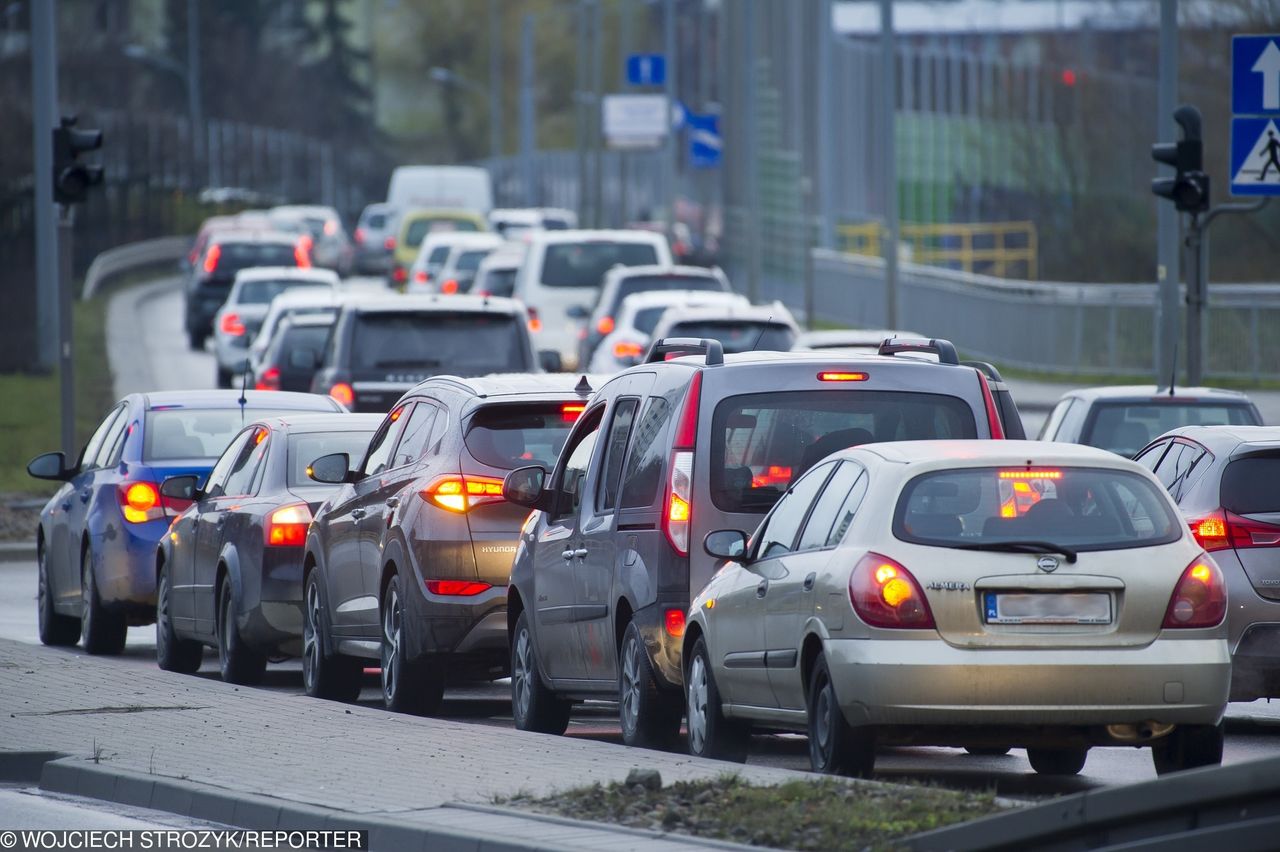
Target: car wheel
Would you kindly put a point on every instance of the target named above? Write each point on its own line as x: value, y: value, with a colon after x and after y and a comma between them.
x: 1187, y: 747
x: 224, y: 378
x: 835, y: 746
x: 533, y: 706
x: 55, y: 629
x: 710, y: 733
x: 195, y: 340
x: 988, y: 751
x: 173, y: 654
x: 407, y: 687
x: 650, y: 717
x: 101, y: 632
x: 237, y: 662
x: 1057, y: 761
x: 331, y: 676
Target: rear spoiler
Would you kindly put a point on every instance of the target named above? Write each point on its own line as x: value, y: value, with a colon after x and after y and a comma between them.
x: 669, y: 346
x: 944, y: 349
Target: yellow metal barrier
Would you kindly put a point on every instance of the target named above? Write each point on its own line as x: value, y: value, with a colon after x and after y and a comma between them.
x: 1003, y: 249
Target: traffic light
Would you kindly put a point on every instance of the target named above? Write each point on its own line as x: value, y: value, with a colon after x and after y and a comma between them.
x: 1188, y: 189
x: 72, y: 178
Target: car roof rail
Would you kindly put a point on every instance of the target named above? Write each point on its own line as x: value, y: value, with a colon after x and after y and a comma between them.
x: 666, y: 347
x: 944, y: 349
x: 987, y: 369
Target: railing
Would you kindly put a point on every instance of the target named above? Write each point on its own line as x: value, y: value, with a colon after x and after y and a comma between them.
x: 1002, y: 249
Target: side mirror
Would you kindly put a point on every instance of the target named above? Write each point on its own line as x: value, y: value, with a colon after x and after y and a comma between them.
x: 304, y: 359
x: 525, y: 486
x: 333, y: 469
x: 578, y: 312
x: 181, y: 488
x: 726, y: 544
x: 549, y: 360
x: 50, y: 466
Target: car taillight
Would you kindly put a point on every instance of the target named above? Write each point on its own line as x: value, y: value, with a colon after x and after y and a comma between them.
x: 535, y: 324
x: 571, y: 411
x: 269, y: 380
x: 359, y: 236
x: 302, y: 252
x: 679, y: 512
x: 461, y: 494
x: 605, y: 325
x: 673, y: 620
x: 457, y: 588
x: 1221, y: 529
x: 993, y: 415
x: 837, y: 376
x: 389, y: 243
x: 330, y: 228
x: 1200, y: 598
x: 884, y: 594
x: 231, y: 325
x: 287, y: 526
x: 211, y: 258
x: 343, y: 393
x: 421, y: 277
x: 399, y: 275
x: 627, y: 349
x: 449, y: 287
x: 140, y: 502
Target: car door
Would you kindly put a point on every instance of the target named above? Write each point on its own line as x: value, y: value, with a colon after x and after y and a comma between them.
x: 77, y: 503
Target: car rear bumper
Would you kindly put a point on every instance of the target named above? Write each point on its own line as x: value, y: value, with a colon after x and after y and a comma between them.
x: 467, y: 628
x: 887, y: 682
x: 271, y: 611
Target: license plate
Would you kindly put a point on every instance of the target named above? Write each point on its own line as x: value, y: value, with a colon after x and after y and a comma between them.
x: 1047, y: 608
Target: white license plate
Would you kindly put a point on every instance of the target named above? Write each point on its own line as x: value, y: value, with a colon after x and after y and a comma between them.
x: 1047, y: 608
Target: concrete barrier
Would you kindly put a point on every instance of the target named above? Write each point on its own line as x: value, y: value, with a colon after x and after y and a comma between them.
x: 131, y: 256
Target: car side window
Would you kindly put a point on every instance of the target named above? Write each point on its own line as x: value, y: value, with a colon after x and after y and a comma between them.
x: 817, y: 530
x: 624, y: 414
x: 416, y: 431
x: 1151, y: 456
x: 384, y: 441
x: 243, y: 471
x: 848, y: 511
x: 213, y: 486
x: 580, y: 446
x: 114, y: 437
x: 91, y: 449
x: 1181, y: 466
x: 642, y: 473
x: 777, y: 536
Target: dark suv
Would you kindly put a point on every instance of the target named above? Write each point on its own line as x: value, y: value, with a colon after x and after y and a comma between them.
x: 665, y: 453
x: 215, y: 270
x: 382, y: 347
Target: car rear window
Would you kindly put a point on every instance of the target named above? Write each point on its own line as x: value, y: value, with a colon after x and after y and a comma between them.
x: 465, y: 343
x: 233, y: 257
x: 1075, y: 507
x: 647, y: 318
x: 739, y: 335
x: 584, y: 264
x: 650, y: 283
x: 1126, y: 427
x: 499, y: 282
x: 1251, y: 485
x: 375, y: 220
x: 313, y: 337
x: 511, y: 436
x: 309, y: 446
x: 469, y: 261
x: 761, y: 443
x: 262, y: 292
x: 197, y: 433
x: 419, y: 228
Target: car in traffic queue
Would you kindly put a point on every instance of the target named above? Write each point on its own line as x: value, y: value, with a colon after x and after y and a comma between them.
x: 447, y: 261
x: 738, y: 329
x: 1124, y: 419
x: 240, y: 318
x: 864, y: 339
x: 96, y: 540
x: 374, y: 239
x: 382, y: 347
x: 512, y: 222
x: 626, y: 345
x: 293, y: 356
x: 330, y: 247
x: 979, y: 594
x: 288, y: 305
x: 229, y: 572
x: 415, y: 225
x: 407, y: 565
x: 496, y: 273
x: 690, y: 442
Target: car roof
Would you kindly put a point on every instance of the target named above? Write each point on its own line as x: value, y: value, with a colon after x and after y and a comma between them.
x: 436, y: 302
x: 302, y: 423
x: 970, y: 453
x: 658, y: 270
x: 305, y: 210
x: 1226, y: 435
x: 231, y: 399
x: 321, y: 277
x: 1152, y: 393
x: 814, y: 358
x: 851, y: 337
x: 440, y: 213
x: 601, y: 235
x: 301, y: 320
x: 512, y: 385
x: 464, y: 239
x: 650, y: 298
x: 308, y: 297
x: 252, y: 235
x: 775, y: 314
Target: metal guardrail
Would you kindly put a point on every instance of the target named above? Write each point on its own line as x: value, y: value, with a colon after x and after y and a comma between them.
x: 124, y: 258
x: 1003, y: 249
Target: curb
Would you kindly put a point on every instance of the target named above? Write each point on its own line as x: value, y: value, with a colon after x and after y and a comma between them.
x: 18, y: 551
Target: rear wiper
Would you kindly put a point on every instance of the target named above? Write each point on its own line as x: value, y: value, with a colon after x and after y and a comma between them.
x: 1026, y: 546
x: 405, y: 362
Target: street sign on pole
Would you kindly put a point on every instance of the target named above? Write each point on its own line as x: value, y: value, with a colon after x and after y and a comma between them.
x: 635, y: 121
x: 646, y: 69
x: 1255, y: 107
x: 1255, y: 74
x: 705, y: 142
x: 1255, y: 156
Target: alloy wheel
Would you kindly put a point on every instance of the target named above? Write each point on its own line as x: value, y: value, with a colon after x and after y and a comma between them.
x: 162, y: 616
x: 630, y: 692
x: 520, y: 674
x: 226, y: 623
x: 86, y: 596
x: 823, y: 721
x: 697, y: 709
x: 42, y: 594
x: 391, y: 644
x: 311, y: 635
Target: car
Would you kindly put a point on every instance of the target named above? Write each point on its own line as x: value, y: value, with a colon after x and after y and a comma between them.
x: 1224, y: 480
x: 513, y: 222
x: 381, y: 348
x: 374, y: 239
x: 455, y: 187
x: 624, y: 281
x: 692, y: 441
x: 1124, y: 419
x: 987, y: 595
x: 407, y: 565
x: 293, y: 356
x: 238, y: 320
x: 330, y: 247
x: 626, y: 345
x: 301, y: 302
x: 561, y: 276
x: 496, y: 274
x: 229, y: 573
x: 864, y: 339
x: 440, y: 261
x: 226, y: 253
x: 96, y: 539
x: 415, y: 225
x: 739, y: 329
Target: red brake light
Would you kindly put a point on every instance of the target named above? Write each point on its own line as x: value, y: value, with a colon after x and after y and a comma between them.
x: 571, y: 411
x: 833, y: 376
x: 535, y: 324
x: 269, y: 380
x: 625, y: 349
x: 420, y: 277
x: 231, y: 325
x: 457, y: 588
x: 1200, y: 598
x: 687, y: 430
x: 449, y: 287
x: 211, y: 258
x: 673, y: 619
x: 302, y: 252
x: 389, y: 243
x: 287, y: 526
x: 605, y: 325
x: 140, y: 502
x: 330, y: 227
x: 993, y: 415
x: 359, y: 236
x: 1221, y: 529
x: 675, y: 522
x: 399, y: 275
x: 461, y: 494
x: 884, y: 594
x: 1030, y: 474
x: 343, y: 393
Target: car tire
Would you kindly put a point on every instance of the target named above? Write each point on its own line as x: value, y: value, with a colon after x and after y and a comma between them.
x: 331, y: 676
x: 224, y: 377
x: 1188, y: 747
x: 710, y: 733
x: 988, y: 751
x: 173, y: 654
x: 649, y: 716
x: 55, y: 629
x: 101, y: 632
x: 195, y: 341
x: 1058, y: 761
x: 237, y: 662
x: 534, y: 707
x: 835, y: 746
x: 407, y: 687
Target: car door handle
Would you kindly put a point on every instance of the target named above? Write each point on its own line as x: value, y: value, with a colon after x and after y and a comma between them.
x: 762, y: 589
x: 85, y: 494
x: 567, y: 554
x: 581, y: 552
x: 357, y: 513
x: 393, y: 502
x: 808, y: 581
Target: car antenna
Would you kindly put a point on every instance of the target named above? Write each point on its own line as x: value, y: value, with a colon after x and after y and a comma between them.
x: 583, y: 388
x: 1173, y: 374
x: 760, y: 336
x: 244, y: 394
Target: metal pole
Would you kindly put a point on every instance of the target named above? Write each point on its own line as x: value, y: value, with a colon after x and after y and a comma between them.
x: 195, y: 106
x: 889, y: 166
x: 624, y: 41
x: 44, y: 99
x: 597, y: 94
x: 823, y: 189
x: 527, y: 119
x: 495, y: 80
x: 671, y: 150
x: 751, y: 191
x: 1195, y: 301
x: 66, y: 366
x: 580, y: 138
x: 1167, y: 247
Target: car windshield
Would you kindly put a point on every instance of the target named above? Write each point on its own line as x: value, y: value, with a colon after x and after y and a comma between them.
x: 584, y: 264
x: 1073, y: 507
x: 262, y: 292
x: 232, y: 257
x: 463, y: 343
x: 738, y: 335
x: 419, y: 228
x: 196, y: 433
x: 307, y: 447
x: 761, y: 443
x: 1126, y: 427
x: 647, y: 283
x: 499, y: 282
x: 511, y: 436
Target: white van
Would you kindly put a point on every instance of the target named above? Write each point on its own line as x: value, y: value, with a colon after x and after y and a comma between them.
x: 447, y: 187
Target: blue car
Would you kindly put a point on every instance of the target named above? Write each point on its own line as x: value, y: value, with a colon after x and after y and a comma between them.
x: 96, y: 542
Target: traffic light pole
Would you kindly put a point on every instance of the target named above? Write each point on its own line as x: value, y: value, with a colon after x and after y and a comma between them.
x: 44, y: 99
x: 66, y: 366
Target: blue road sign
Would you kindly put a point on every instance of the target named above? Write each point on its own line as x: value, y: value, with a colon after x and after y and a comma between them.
x: 1255, y: 74
x: 705, y: 142
x: 1255, y: 156
x: 646, y: 69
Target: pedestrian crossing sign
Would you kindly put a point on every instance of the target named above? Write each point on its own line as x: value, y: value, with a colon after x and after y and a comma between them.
x: 1255, y: 156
